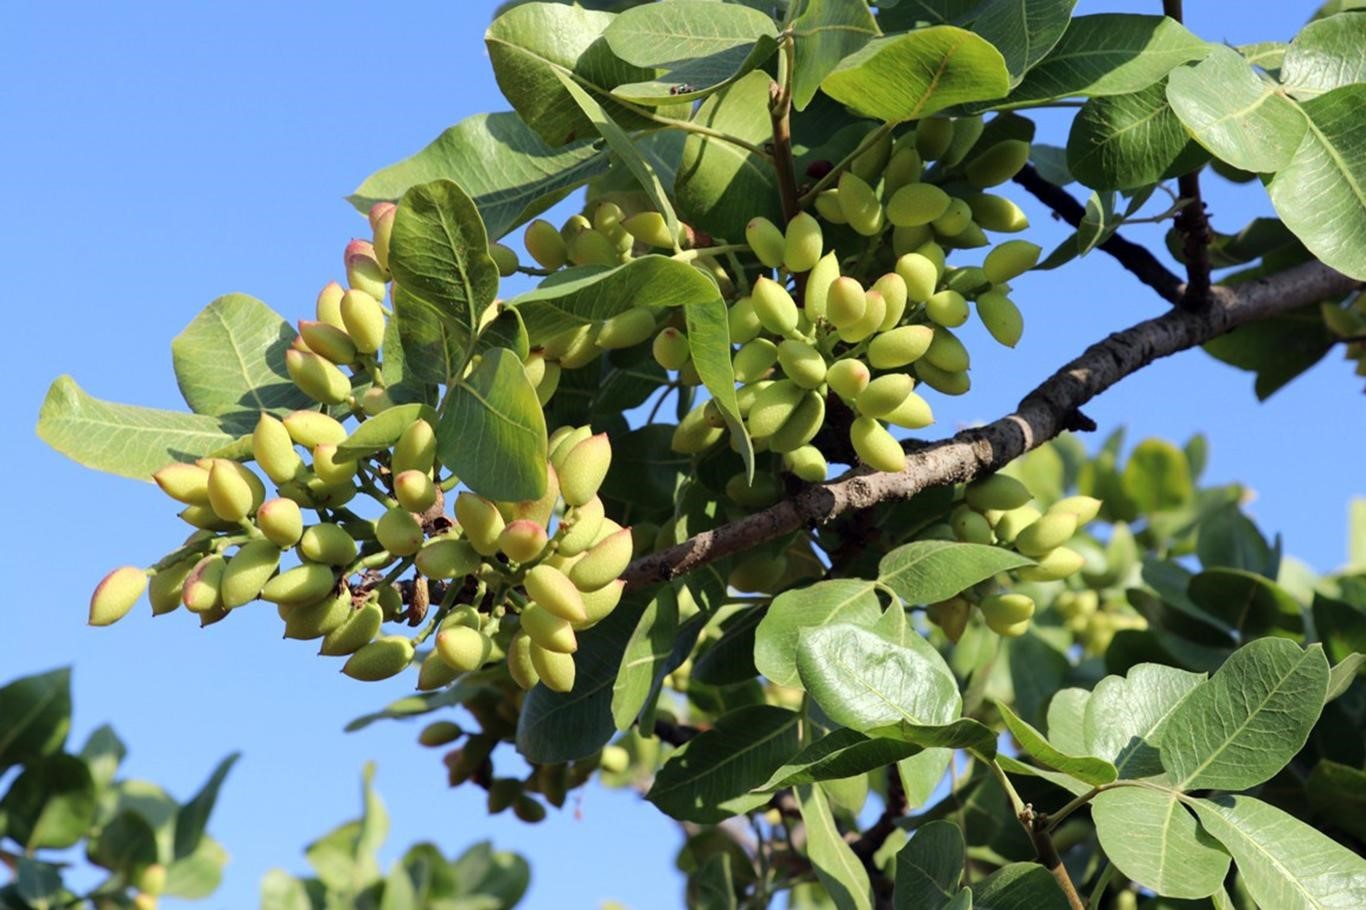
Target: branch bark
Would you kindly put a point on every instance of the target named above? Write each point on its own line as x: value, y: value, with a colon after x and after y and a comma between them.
x: 1044, y: 413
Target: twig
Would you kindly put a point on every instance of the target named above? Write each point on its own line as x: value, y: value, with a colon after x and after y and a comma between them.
x: 779, y: 111
x: 1192, y: 222
x: 1044, y: 413
x: 1036, y: 823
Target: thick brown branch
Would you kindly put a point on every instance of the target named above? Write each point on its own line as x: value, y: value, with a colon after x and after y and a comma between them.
x: 1044, y: 413
x: 1037, y: 825
x: 1134, y: 257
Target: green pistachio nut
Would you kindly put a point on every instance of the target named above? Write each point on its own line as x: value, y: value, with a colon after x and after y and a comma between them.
x: 876, y: 447
x: 997, y: 213
x: 230, y: 495
x: 328, y: 306
x: 884, y: 394
x: 670, y: 348
x: 1010, y: 259
x: 439, y: 733
x: 584, y: 468
x: 1006, y: 613
x: 116, y: 594
x: 330, y: 467
x: 651, y: 229
x: 955, y: 219
x: 802, y: 363
x: 913, y: 413
x: 743, y: 321
x: 580, y: 527
x: 946, y: 352
x: 1086, y: 508
x: 553, y: 590
x: 203, y: 586
x: 203, y: 517
x: 248, y: 571
x: 848, y: 377
x: 375, y: 401
x: 966, y: 132
x: 909, y: 239
x: 328, y: 544
x: 614, y: 759
x: 185, y: 482
x: 592, y: 248
x: 548, y: 630
x: 758, y: 573
x: 563, y: 442
x: 504, y: 259
x: 772, y: 407
x: 627, y: 329
x: 997, y: 164
x: 306, y: 622
x: 312, y: 428
x: 304, y: 584
x: 556, y: 670
x: 281, y: 521
x: 364, y: 320
x: 818, y: 280
x: 807, y: 463
x: 764, y: 491
x: 415, y: 449
x: 969, y: 526
x: 766, y: 240
x: 359, y: 629
x: 860, y: 204
x: 874, y: 311
x: 603, y: 562
x: 415, y: 491
x: 503, y: 792
x: 933, y: 136
x: 1051, y: 531
x: 545, y: 244
x: 903, y: 167
x: 871, y: 162
x: 545, y: 389
x: 528, y: 810
x: 317, y: 377
x: 945, y: 382
x: 573, y: 226
x: 519, y: 662
x: 899, y: 347
x: 827, y: 205
x: 435, y: 673
x: 754, y: 359
x: 386, y: 656
x: 363, y: 271
x: 846, y: 302
x: 694, y: 435
x: 165, y: 588
x: 1054, y: 565
x: 399, y: 532
x: 802, y: 243
x: 967, y: 280
x: 599, y: 604
x: 801, y: 427
x: 969, y: 238
x: 1001, y: 317
x: 774, y: 306
x: 447, y: 557
x: 996, y: 492
x: 916, y: 204
x: 895, y: 295
x: 327, y: 340
x: 462, y: 648
x: 522, y: 540
x: 1009, y: 525
x: 745, y: 395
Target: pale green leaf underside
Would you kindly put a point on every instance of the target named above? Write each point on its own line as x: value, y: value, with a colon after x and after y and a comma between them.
x: 928, y: 571
x: 826, y: 602
x: 1325, y: 55
x: 838, y: 868
x: 492, y: 433
x: 1154, y: 840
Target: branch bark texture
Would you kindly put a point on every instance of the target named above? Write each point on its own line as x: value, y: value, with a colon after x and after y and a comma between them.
x: 1045, y: 412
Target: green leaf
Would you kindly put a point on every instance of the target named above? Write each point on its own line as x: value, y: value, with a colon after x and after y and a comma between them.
x: 193, y: 817
x: 702, y: 47
x: 910, y: 76
x: 928, y: 571
x: 921, y: 773
x: 1087, y: 768
x: 1019, y: 886
x: 123, y: 439
x: 1158, y: 477
x: 1247, y: 602
x: 509, y: 172
x: 709, y: 345
x: 37, y: 712
x: 528, y: 45
x: 384, y: 429
x: 1239, y: 115
x: 38, y: 883
x: 230, y: 362
x: 725, y: 763
x: 102, y: 753
x: 1277, y: 349
x: 126, y: 843
x: 836, y: 865
x: 1243, y: 725
x: 644, y: 658
x: 862, y: 681
x: 1127, y: 716
x: 1056, y: 778
x: 1066, y: 720
x: 1337, y: 793
x: 899, y: 16
x: 1229, y: 539
x: 929, y: 868
x: 492, y: 433
x: 712, y: 887
x: 1024, y: 31
x: 838, y: 600
x: 1266, y: 55
x: 198, y: 875
x: 1343, y: 674
x: 1325, y: 55
x: 1283, y: 862
x: 1109, y: 54
x: 1321, y: 193
x: 498, y: 874
x: 1155, y: 841
x: 721, y: 186
x: 282, y: 891
x: 558, y: 727
x: 51, y: 804
x: 1121, y: 142
x: 823, y: 34
x: 837, y: 755
x: 439, y: 253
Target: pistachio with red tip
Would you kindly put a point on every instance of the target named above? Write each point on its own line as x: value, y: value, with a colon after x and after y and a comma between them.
x: 116, y: 594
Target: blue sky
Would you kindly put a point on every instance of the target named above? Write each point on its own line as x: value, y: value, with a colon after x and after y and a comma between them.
x: 163, y: 154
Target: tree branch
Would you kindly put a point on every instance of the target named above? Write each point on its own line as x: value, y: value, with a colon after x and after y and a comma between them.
x: 1192, y: 222
x: 1134, y: 257
x: 1036, y: 823
x: 1044, y: 413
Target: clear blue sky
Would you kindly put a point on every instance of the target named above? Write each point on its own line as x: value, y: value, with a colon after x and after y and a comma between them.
x: 161, y: 154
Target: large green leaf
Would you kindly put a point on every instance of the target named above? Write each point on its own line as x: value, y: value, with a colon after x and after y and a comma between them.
x: 199, y: 874
x: 836, y: 865
x: 1325, y: 55
x: 725, y: 763
x: 37, y: 712
x: 1086, y: 768
x: 1321, y: 193
x: 1283, y: 862
x: 1276, y: 349
x: 824, y: 33
x: 929, y: 868
x: 509, y: 172
x: 500, y: 875
x: 1121, y: 142
x: 1245, y: 601
x: 439, y: 253
x: 1154, y: 840
x: 1243, y: 725
x: 721, y: 186
x: 701, y: 47
x: 1109, y: 54
x: 51, y: 804
x: 492, y: 431
x: 127, y: 843
x: 928, y: 571
x: 282, y: 891
x: 230, y: 362
x: 712, y: 887
x: 1066, y: 720
x: 1024, y: 31
x: 1126, y: 716
x: 123, y: 439
x: 1019, y: 886
x: 102, y: 753
x: 193, y: 817
x: 1241, y: 116
x: 1158, y: 476
x: 839, y: 754
x: 1337, y: 793
x: 907, y: 14
x: 838, y: 600
x: 910, y: 76
x: 528, y: 45
x: 645, y: 655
